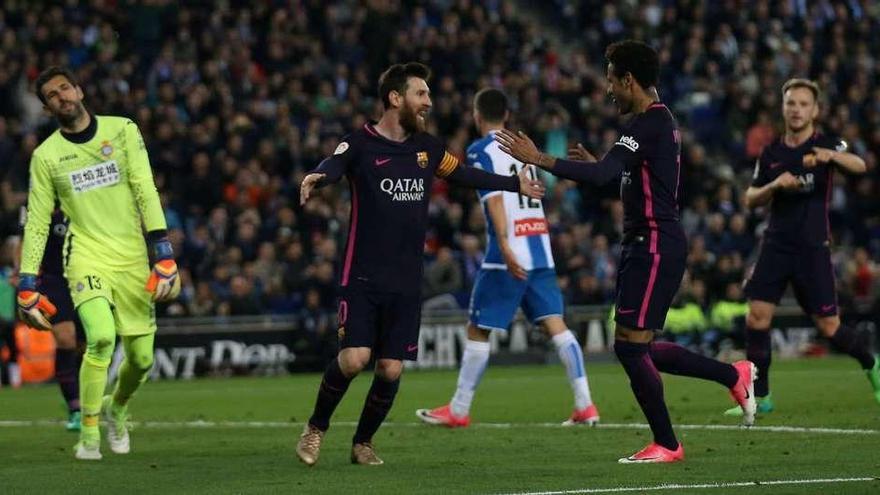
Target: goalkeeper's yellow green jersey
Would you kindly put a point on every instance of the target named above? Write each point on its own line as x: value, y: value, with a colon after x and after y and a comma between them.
x: 106, y: 189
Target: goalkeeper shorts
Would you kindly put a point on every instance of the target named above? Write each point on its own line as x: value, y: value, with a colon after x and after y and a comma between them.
x: 133, y: 308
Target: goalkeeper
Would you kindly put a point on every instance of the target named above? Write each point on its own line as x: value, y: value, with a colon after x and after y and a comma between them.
x: 97, y: 168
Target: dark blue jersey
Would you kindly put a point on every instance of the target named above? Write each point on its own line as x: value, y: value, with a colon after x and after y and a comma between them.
x: 650, y: 149
x: 390, y: 184
x: 798, y: 217
x: 647, y: 160
x: 52, y: 256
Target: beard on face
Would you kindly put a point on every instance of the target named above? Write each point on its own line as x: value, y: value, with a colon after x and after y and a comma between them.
x: 67, y: 119
x: 804, y: 123
x: 410, y: 120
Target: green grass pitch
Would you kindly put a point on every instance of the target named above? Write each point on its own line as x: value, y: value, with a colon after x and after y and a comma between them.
x: 250, y: 425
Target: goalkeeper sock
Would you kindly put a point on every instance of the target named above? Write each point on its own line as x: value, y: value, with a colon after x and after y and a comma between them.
x: 97, y: 319
x: 66, y: 376
x: 333, y: 388
x: 380, y: 398
x: 135, y: 369
x: 572, y: 356
x: 473, y: 364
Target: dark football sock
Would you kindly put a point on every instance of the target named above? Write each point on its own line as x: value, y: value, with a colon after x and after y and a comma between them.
x: 67, y: 375
x: 333, y: 388
x: 758, y: 351
x: 678, y: 360
x: 380, y: 398
x: 648, y: 389
x: 856, y: 344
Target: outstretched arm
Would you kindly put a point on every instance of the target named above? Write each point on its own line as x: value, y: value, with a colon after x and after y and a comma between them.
x: 521, y: 147
x: 329, y: 171
x: 473, y: 177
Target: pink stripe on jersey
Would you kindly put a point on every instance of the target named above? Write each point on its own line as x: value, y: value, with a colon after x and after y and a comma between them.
x: 677, y: 179
x: 352, y: 235
x: 646, y: 301
x: 370, y: 130
x: 828, y: 187
x: 649, y: 205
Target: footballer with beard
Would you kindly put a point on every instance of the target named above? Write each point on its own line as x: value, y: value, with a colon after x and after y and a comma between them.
x: 390, y: 165
x: 646, y: 161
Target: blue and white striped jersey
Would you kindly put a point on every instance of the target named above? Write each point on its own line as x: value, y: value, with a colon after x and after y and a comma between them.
x: 527, y: 228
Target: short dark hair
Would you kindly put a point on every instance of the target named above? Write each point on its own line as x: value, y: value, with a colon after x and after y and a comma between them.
x: 47, y: 76
x: 802, y: 83
x: 396, y: 76
x: 492, y: 104
x: 637, y: 58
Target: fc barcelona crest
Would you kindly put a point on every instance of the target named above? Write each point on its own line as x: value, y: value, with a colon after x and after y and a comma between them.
x: 422, y: 158
x: 106, y: 148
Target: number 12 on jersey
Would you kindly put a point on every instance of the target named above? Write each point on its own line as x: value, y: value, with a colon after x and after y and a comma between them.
x: 526, y: 202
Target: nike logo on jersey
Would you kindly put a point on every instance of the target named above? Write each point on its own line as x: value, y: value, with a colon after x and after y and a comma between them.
x: 382, y: 161
x: 412, y: 347
x: 625, y: 311
x: 775, y: 164
x: 827, y: 307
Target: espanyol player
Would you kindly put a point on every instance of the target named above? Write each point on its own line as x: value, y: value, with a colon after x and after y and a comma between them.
x: 516, y: 272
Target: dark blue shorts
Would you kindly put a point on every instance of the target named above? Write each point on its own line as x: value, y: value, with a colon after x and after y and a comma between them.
x: 809, y: 270
x: 55, y: 288
x: 646, y: 284
x: 388, y: 323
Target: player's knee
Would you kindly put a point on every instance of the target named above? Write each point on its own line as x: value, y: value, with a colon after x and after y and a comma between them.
x: 352, y: 361
x: 632, y: 335
x: 478, y: 334
x: 65, y: 340
x: 758, y: 319
x: 828, y: 325
x: 141, y: 361
x: 389, y: 369
x: 100, y: 349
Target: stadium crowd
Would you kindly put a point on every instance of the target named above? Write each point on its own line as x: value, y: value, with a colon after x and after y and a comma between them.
x: 238, y: 101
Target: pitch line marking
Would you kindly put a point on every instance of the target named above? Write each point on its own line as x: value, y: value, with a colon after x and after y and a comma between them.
x: 676, y: 486
x: 609, y: 426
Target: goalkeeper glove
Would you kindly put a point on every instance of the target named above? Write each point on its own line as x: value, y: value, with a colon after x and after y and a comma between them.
x: 164, y: 282
x: 34, y: 309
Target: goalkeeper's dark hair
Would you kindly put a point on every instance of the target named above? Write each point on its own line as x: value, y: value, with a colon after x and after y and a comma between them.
x: 396, y: 77
x: 492, y: 104
x: 47, y: 76
x: 637, y: 58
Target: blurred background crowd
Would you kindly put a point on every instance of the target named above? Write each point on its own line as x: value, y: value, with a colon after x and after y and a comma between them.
x: 238, y: 101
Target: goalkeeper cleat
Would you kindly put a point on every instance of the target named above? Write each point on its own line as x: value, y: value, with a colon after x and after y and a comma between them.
x: 309, y: 446
x: 587, y: 416
x: 744, y: 390
x: 765, y: 406
x: 654, y: 454
x: 443, y: 416
x: 874, y: 377
x: 365, y: 454
x: 74, y: 421
x: 117, y: 429
x: 88, y: 450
